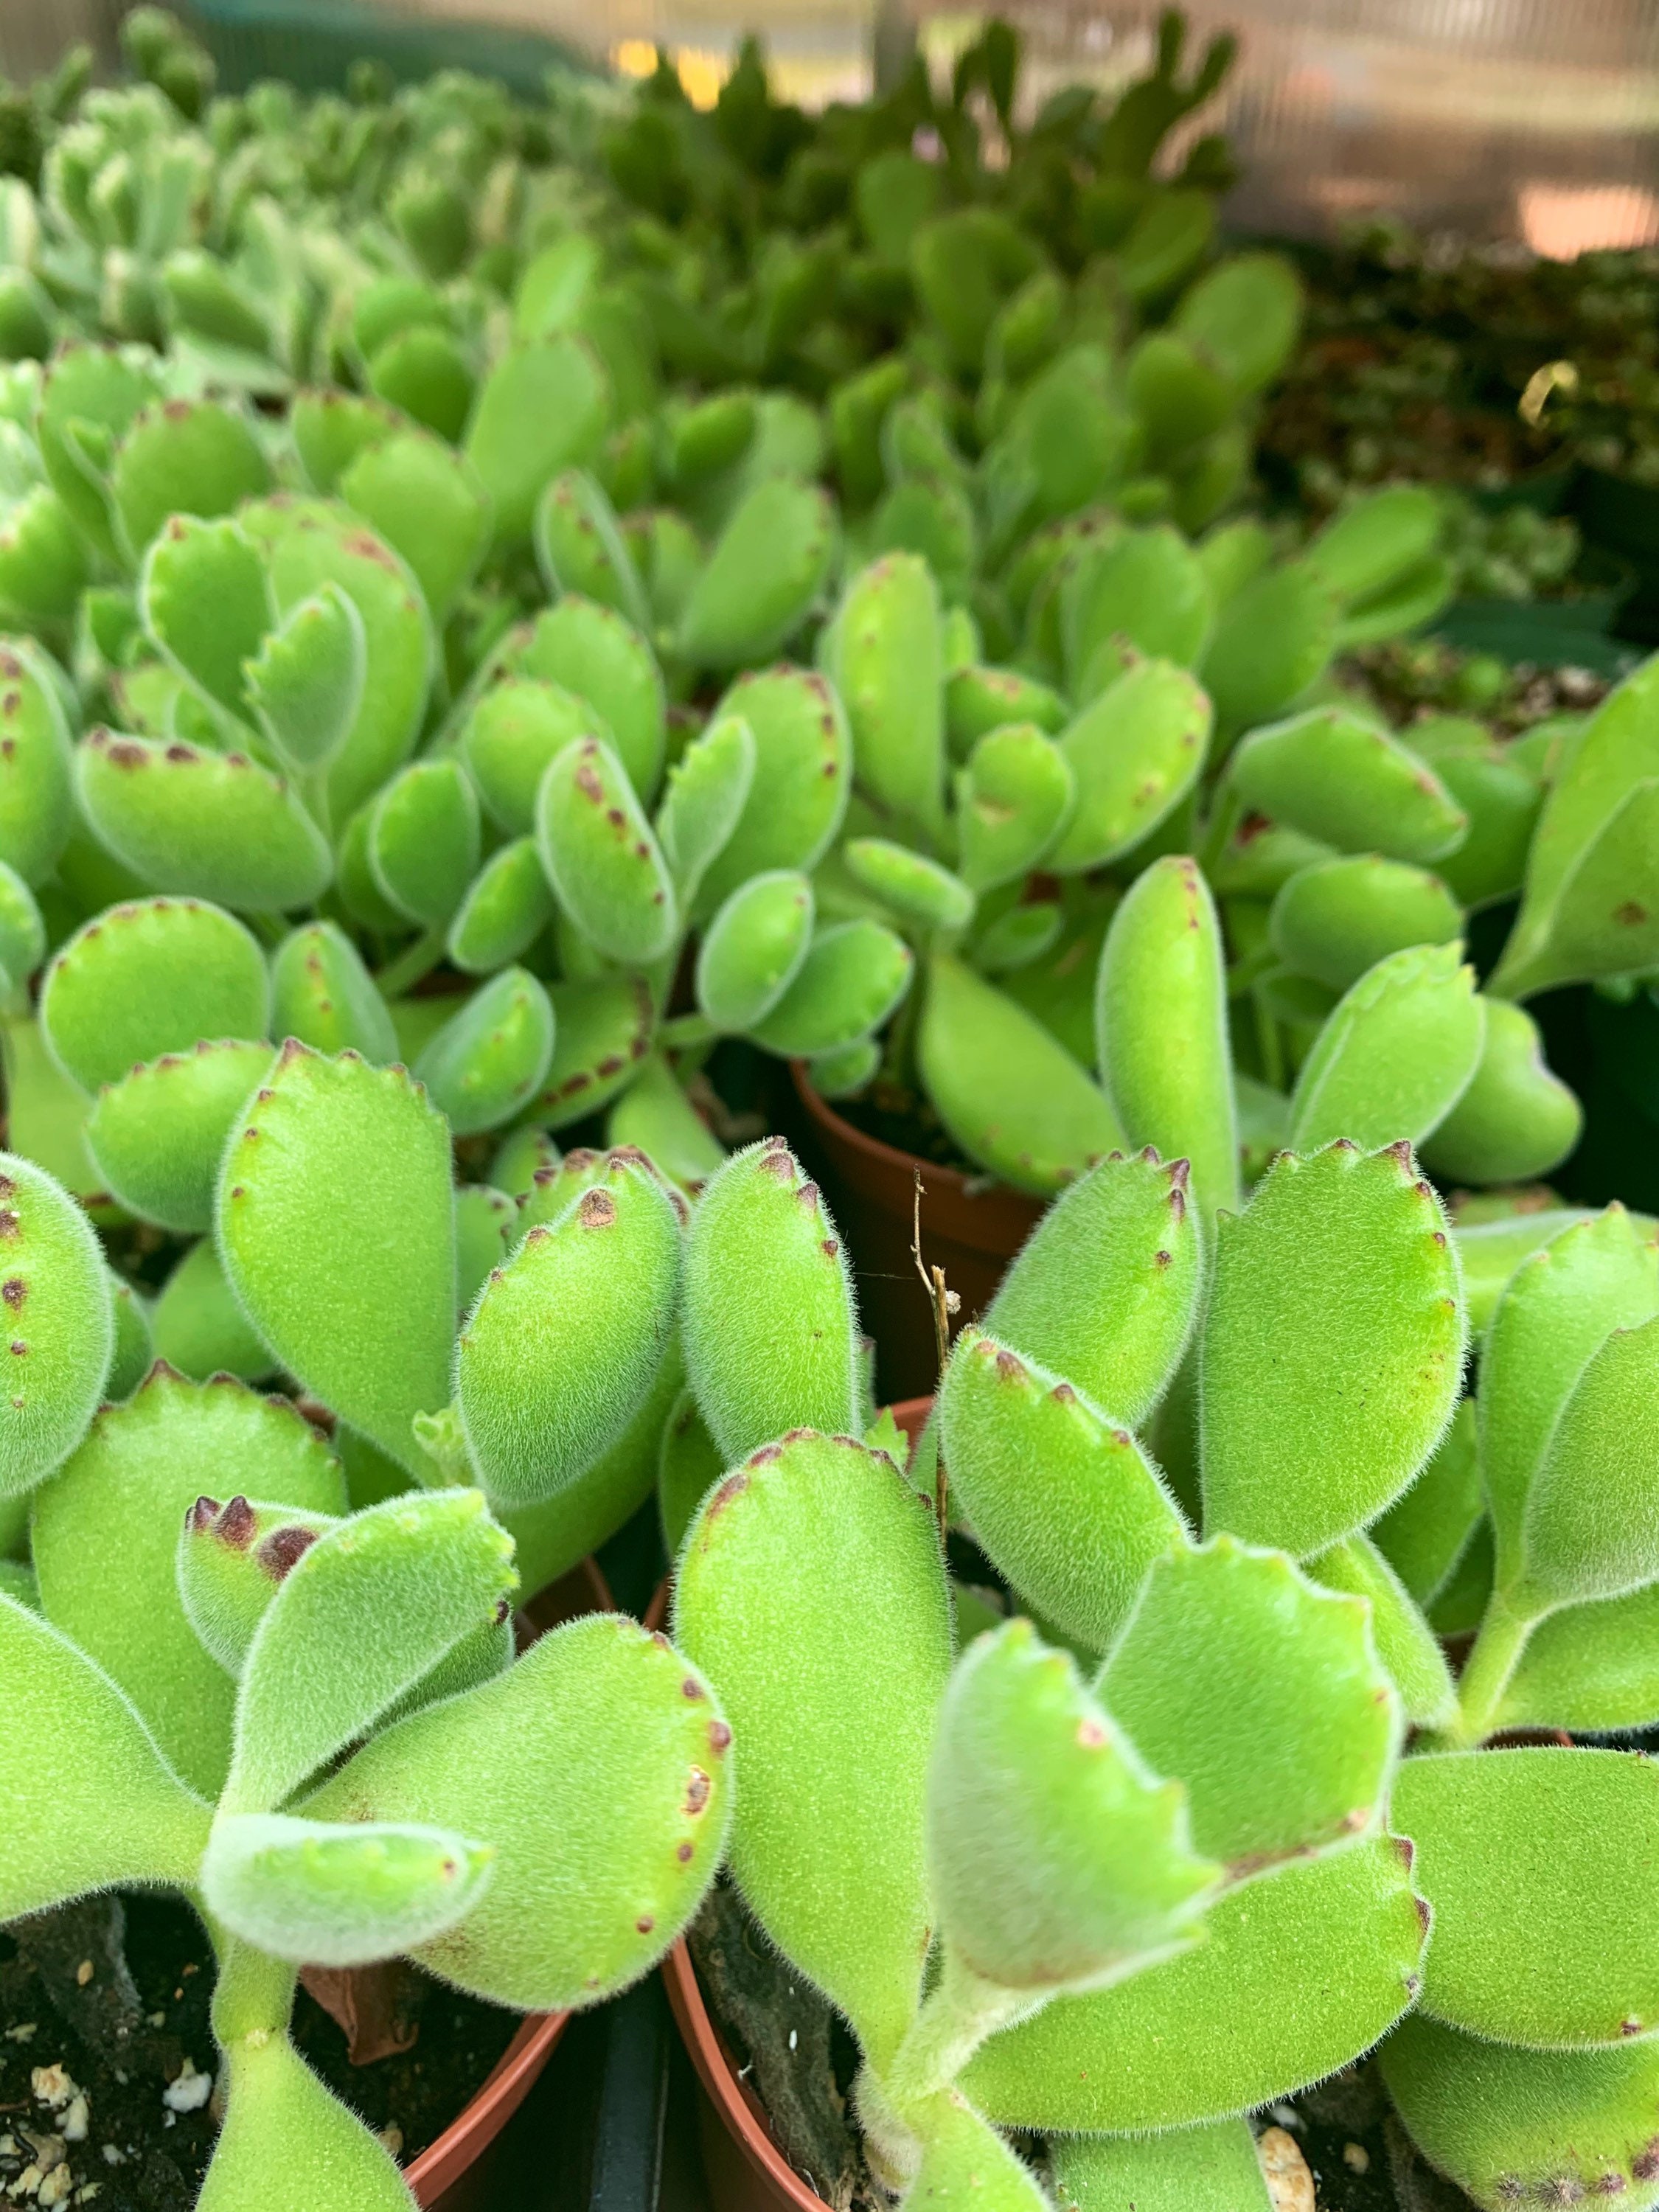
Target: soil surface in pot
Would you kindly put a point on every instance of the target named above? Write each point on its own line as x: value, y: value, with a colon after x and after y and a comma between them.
x: 106, y: 2056
x: 896, y: 1115
x: 796, y: 2053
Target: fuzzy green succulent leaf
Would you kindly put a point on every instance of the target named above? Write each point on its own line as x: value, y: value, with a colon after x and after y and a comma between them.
x: 1271, y: 642
x: 542, y: 407
x: 335, y: 1227
x: 486, y: 1230
x: 656, y: 1117
x: 151, y: 977
x: 828, y: 1842
x: 37, y: 782
x: 232, y: 1559
x: 579, y: 547
x: 596, y: 1766
x: 603, y: 1029
x: 770, y: 1328
x: 1335, y: 776
x: 920, y: 892
x: 305, y: 685
x: 1014, y: 797
x: 1425, y: 1532
x: 198, y: 1327
x: 1213, y: 2169
x: 601, y: 856
x: 1559, y: 1307
x: 753, y: 949
x: 60, y: 1324
x: 978, y: 699
x: 1396, y: 1056
x: 507, y: 907
x: 397, y: 1587
x: 803, y: 775
x: 489, y: 1059
x: 762, y: 577
x: 510, y: 734
x: 708, y: 788
x: 22, y: 931
x: 429, y: 505
x: 1105, y: 1289
x: 1334, y: 919
x: 187, y: 457
x: 1513, y: 1854
x: 1590, y: 1667
x: 1515, y: 1120
x: 341, y: 1894
x: 290, y: 2146
x: 1135, y: 752
x: 964, y: 2161
x: 536, y: 1408
x: 1338, y: 1281
x: 690, y: 1464
x: 1056, y: 1858
x: 883, y: 653
x: 1161, y: 1027
x: 1066, y: 1505
x: 1282, y: 1769
x: 1145, y: 590
x: 206, y: 602
x: 105, y: 1540
x: 853, y: 976
x: 1489, y: 1252
x: 1298, y: 1975
x: 1406, y: 1645
x: 1590, y: 1529
x: 111, y: 1810
x: 135, y: 1351
x: 201, y: 823
x: 1508, y: 2124
x: 88, y: 398
x: 423, y: 841
x: 1006, y: 1090
x: 158, y: 1135
x: 322, y: 993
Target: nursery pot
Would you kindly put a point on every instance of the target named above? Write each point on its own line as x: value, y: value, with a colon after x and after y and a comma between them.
x: 971, y: 1228
x: 445, y: 2177
x: 745, y: 2170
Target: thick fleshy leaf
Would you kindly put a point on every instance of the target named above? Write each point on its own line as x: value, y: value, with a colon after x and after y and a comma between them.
x: 1513, y: 1853
x: 1105, y: 1288
x: 1510, y: 2125
x: 1065, y: 1504
x: 154, y: 976
x: 770, y: 1328
x: 1161, y: 1027
x: 185, y: 457
x: 429, y: 505
x: 752, y: 949
x: 580, y: 547
x: 855, y: 974
x: 1014, y: 798
x: 37, y: 781
x: 60, y: 1324
x: 1424, y: 1533
x: 594, y: 652
x: 601, y: 856
x: 885, y: 658
x: 1299, y: 1974
x: 1489, y: 1252
x: 1515, y: 1120
x: 966, y: 2162
x: 1559, y: 1307
x: 1271, y: 642
x: 1334, y: 776
x: 507, y: 905
x: 206, y: 601
x: 1006, y: 1090
x: 1591, y: 1525
x: 540, y: 408
x: 708, y: 788
x: 198, y: 1326
x: 289, y: 2146
x: 158, y: 1135
x: 537, y: 1405
x: 1334, y: 919
x: 487, y: 1061
x: 762, y: 577
x: 338, y: 1895
x: 802, y: 777
x: 517, y: 726
x: 1396, y: 1055
x: 305, y: 683
x: 917, y: 891
x: 1213, y: 2169
x: 107, y: 1808
x: 1057, y: 1858
x: 423, y: 841
x: 336, y: 1226
x: 1296, y: 1758
x: 603, y: 1029
x: 322, y: 993
x: 232, y: 1559
x: 1406, y: 1645
x: 1339, y: 1283
x: 828, y: 1840
x: 597, y: 1766
x: 656, y: 1117
x: 396, y: 1587
x: 105, y: 1537
x: 1134, y: 751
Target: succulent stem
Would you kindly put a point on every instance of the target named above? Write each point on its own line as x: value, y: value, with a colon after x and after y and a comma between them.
x: 959, y: 2012
x: 1498, y: 1649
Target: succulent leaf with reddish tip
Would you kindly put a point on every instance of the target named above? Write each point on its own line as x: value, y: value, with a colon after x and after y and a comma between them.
x: 601, y: 856
x: 158, y: 1135
x: 56, y: 1296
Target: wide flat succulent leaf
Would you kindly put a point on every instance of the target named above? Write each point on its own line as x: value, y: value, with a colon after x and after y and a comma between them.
x: 336, y: 1226
x: 488, y: 1061
x: 1591, y: 1526
x: 1517, y: 1121
x: 708, y: 788
x: 828, y: 1842
x: 1211, y: 2169
x: 231, y: 1560
x: 106, y: 1808
x: 322, y: 993
x: 770, y: 1328
x: 1406, y: 1644
x: 1014, y: 796
x: 883, y: 653
x: 601, y: 856
x: 153, y: 977
x: 1333, y: 1347
x: 185, y: 457
x: 1511, y: 2125
x: 429, y: 505
x: 37, y: 780
x: 305, y: 685
x: 1545, y: 1855
x: 1589, y: 1666
x: 964, y: 2161
x: 598, y: 1767
x: 762, y: 575
x: 1057, y: 1857
x: 60, y: 1324
x: 542, y: 408
x: 509, y: 734
x: 1395, y: 1055
x: 602, y: 1028
x: 1270, y: 640
x: 105, y: 1540
x: 753, y: 949
x: 1489, y: 1252
x: 1065, y: 1503
x: 360, y: 1616
x: 594, y: 652
x: 338, y: 1894
x: 1296, y: 1758
x: 1335, y: 776
x: 507, y: 905
x: 1562, y: 1302
x: 1424, y: 1534
x: 797, y: 796
x: 423, y: 841
x: 537, y: 1406
x: 1135, y: 752
x: 205, y: 599
x: 855, y: 974
x: 1298, y: 1975
x: 198, y: 1326
x: 157, y: 1136
x: 290, y: 2146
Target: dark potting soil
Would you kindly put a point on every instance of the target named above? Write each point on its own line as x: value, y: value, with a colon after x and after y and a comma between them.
x: 895, y: 1114
x: 104, y: 2007
x: 796, y: 2053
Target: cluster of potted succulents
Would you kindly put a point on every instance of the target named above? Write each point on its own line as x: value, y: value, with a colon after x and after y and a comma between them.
x: 515, y: 616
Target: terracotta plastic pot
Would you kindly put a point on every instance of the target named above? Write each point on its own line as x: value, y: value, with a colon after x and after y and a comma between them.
x: 444, y: 2177
x: 971, y: 1231
x: 745, y: 2170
